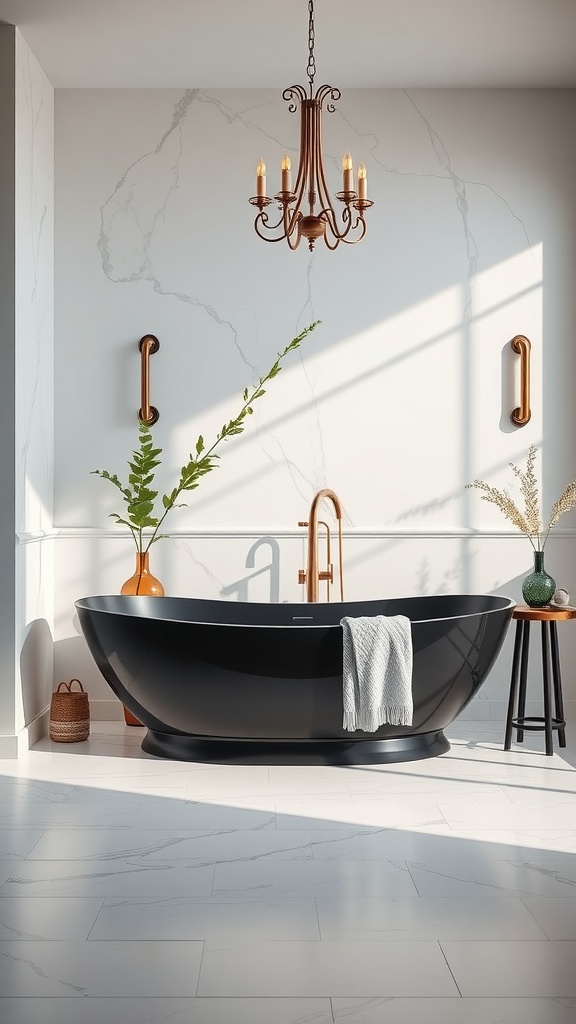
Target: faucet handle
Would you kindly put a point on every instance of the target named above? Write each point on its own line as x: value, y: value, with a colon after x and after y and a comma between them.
x: 301, y: 576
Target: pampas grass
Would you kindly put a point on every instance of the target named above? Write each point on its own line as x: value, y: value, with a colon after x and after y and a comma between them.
x: 528, y: 519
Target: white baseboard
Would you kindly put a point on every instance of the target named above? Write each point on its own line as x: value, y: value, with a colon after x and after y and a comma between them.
x: 106, y: 710
x: 13, y: 747
x: 496, y: 710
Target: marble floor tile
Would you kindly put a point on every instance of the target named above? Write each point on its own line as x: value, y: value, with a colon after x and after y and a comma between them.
x: 325, y: 968
x: 430, y: 892
x: 231, y: 779
x: 125, y: 799
x: 47, y: 918
x: 373, y: 844
x: 437, y: 842
x: 67, y: 969
x: 6, y: 869
x: 323, y: 805
x: 240, y: 920
x: 17, y: 843
x: 500, y: 812
x: 481, y: 878
x: 513, y: 968
x: 137, y: 785
x: 106, y: 878
x: 198, y: 784
x: 314, y: 878
x: 417, y: 785
x: 344, y: 820
x: 299, y: 780
x: 412, y: 918
x: 13, y: 792
x: 534, y: 792
x: 171, y: 846
x: 453, y: 1011
x: 173, y: 814
x: 148, y: 767
x: 168, y: 1011
x: 478, y: 770
x: 512, y: 841
x: 43, y: 815
x: 362, y: 810
x: 555, y: 915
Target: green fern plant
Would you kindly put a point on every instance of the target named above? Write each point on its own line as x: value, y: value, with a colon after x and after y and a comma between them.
x: 138, y: 494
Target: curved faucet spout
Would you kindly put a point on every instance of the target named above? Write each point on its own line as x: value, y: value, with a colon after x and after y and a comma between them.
x: 311, y: 575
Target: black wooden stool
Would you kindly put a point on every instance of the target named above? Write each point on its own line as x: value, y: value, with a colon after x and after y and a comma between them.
x: 548, y: 617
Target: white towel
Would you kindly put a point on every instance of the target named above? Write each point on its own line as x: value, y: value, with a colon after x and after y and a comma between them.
x: 377, y: 671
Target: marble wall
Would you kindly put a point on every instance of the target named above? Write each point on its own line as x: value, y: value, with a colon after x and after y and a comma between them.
x: 27, y: 392
x: 397, y: 400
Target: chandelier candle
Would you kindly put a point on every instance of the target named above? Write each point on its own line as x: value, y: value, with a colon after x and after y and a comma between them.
x: 347, y: 172
x: 260, y: 178
x: 286, y: 168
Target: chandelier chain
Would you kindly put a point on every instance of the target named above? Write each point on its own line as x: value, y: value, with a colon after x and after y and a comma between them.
x: 311, y: 69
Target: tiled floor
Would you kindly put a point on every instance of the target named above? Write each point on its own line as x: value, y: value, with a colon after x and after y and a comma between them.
x: 135, y: 890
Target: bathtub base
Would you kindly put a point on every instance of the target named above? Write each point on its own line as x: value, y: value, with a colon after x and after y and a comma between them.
x: 305, y: 752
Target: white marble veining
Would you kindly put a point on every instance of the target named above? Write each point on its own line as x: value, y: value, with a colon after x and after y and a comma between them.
x: 299, y: 895
x: 122, y: 877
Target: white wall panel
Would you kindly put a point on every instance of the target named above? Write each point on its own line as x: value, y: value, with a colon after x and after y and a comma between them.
x: 400, y: 397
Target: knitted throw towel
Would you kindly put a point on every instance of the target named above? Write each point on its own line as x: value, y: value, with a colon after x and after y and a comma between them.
x: 377, y: 671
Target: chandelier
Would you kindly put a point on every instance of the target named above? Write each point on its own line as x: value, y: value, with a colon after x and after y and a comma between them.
x: 307, y: 211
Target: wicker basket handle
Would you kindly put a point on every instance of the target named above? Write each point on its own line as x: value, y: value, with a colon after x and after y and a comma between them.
x: 68, y: 686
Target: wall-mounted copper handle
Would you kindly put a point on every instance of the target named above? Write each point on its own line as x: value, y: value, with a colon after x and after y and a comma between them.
x: 521, y: 415
x: 147, y: 413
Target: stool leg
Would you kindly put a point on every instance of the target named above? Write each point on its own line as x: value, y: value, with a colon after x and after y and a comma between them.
x: 513, y: 685
x: 523, y: 676
x: 547, y: 690
x: 557, y: 681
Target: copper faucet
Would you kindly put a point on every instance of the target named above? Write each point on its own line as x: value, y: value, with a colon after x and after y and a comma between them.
x: 311, y: 575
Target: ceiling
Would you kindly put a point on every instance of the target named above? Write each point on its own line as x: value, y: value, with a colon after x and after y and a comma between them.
x: 212, y: 44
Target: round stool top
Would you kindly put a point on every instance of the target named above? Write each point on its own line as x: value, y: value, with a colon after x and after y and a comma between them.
x: 546, y: 614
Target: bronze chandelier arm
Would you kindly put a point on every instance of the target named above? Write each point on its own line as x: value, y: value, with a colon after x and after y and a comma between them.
x: 262, y: 218
x: 294, y: 228
x: 328, y: 90
x: 352, y: 225
x: 289, y: 95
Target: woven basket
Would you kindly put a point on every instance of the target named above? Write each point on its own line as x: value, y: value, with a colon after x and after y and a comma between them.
x: 69, y: 714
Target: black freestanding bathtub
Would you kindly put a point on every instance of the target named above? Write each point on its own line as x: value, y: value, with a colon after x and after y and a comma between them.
x: 251, y: 683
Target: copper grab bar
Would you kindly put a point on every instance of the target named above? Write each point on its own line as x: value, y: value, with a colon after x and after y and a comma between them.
x: 147, y: 413
x: 521, y: 415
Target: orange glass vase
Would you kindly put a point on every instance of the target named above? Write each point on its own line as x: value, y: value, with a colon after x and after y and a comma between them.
x: 144, y: 583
